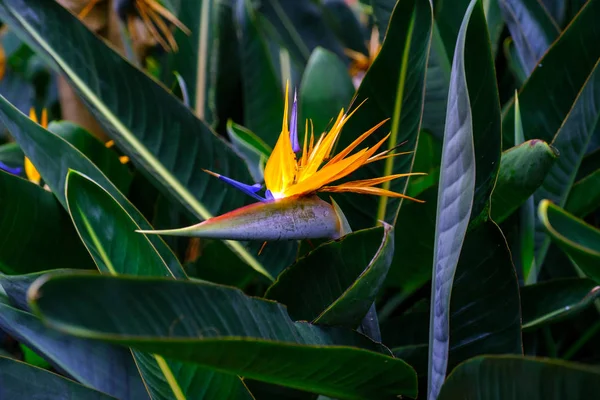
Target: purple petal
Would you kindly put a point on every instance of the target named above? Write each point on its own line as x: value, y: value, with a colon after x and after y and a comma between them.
x: 248, y: 189
x: 10, y: 170
x: 294, y: 126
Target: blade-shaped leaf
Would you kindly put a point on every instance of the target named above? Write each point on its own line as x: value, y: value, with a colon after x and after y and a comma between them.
x: 521, y: 378
x: 221, y: 328
x: 105, y: 159
x: 394, y: 88
x: 548, y: 95
x: 193, y: 60
x: 102, y: 366
x: 262, y: 90
x: 38, y: 233
x: 54, y: 156
x: 532, y: 29
x: 523, y: 168
x: 584, y: 196
x: 342, y: 277
x: 109, y: 233
x: 472, y: 130
x: 571, y: 141
x: 580, y: 241
x: 551, y: 301
x: 23, y: 381
x: 326, y: 88
x: 152, y: 126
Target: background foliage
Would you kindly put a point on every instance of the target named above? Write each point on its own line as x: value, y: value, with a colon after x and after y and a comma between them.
x: 488, y: 290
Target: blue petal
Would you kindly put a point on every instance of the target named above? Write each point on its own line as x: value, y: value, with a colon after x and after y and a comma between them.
x: 14, y: 171
x: 248, y: 189
x: 269, y: 195
x: 294, y: 126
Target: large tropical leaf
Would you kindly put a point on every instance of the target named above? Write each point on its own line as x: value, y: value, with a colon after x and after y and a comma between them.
x: 472, y: 131
x: 343, y: 277
x: 54, y: 156
x: 571, y: 141
x: 109, y: 233
x: 153, y: 127
x: 37, y: 233
x: 23, y: 381
x: 580, y: 241
x: 551, y: 301
x: 521, y: 378
x: 262, y: 89
x: 102, y: 366
x: 221, y: 328
x: 532, y: 29
x: 393, y: 88
x: 547, y: 97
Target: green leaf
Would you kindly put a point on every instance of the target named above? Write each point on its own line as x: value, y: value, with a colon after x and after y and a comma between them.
x: 326, y: 88
x: 22, y: 381
x: 548, y: 95
x: 105, y: 159
x: 472, y: 129
x: 485, y: 314
x: 531, y: 28
x: 554, y: 300
x: 251, y: 148
x: 263, y: 96
x: 584, y: 196
x: 102, y: 366
x: 298, y: 26
x: 16, y: 286
x: 196, y: 51
x: 394, y: 88
x: 557, y: 10
x: 38, y: 233
x: 521, y: 378
x: 54, y: 156
x: 414, y: 239
x: 514, y: 62
x: 221, y: 328
x: 522, y: 170
x: 12, y: 155
x: 571, y: 141
x: 579, y: 241
x: 152, y: 126
x: 109, y: 233
x: 343, y: 278
x: 495, y: 23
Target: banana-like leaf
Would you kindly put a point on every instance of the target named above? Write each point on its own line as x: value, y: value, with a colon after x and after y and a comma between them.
x: 580, y: 241
x: 109, y: 233
x: 251, y: 148
x: 263, y: 94
x: 523, y: 168
x: 554, y: 300
x: 54, y: 156
x: 521, y: 378
x: 23, y: 381
x: 326, y: 88
x: 393, y: 87
x: 193, y: 60
x: 342, y: 277
x: 291, y: 218
x: 472, y: 130
x: 584, y: 196
x: 107, y: 368
x: 221, y: 328
x: 344, y: 23
x: 571, y: 141
x: 153, y: 127
x: 37, y: 232
x: 547, y: 97
x: 532, y: 29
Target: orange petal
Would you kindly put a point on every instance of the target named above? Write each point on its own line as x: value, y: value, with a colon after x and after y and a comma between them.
x: 355, y: 143
x: 366, y: 190
x: 377, y: 181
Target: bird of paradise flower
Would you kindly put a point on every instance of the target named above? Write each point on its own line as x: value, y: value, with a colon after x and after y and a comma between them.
x: 293, y: 175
